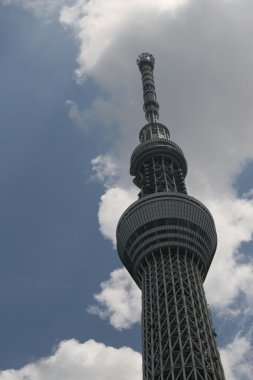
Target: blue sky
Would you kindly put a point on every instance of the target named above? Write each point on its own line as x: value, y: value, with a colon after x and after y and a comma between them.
x: 71, y: 108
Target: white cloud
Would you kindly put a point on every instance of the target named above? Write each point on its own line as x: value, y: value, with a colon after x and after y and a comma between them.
x: 79, y: 361
x: 228, y: 275
x: 105, y: 168
x: 112, y: 204
x: 237, y: 359
x: 99, y: 24
x: 119, y: 300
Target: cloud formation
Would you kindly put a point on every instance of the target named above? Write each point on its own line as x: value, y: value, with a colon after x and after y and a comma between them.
x: 89, y: 360
x: 105, y: 168
x: 119, y: 300
x: 229, y: 272
x: 99, y: 25
x: 237, y: 359
x: 112, y: 204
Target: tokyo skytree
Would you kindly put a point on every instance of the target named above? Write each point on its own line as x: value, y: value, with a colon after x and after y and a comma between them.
x: 167, y: 240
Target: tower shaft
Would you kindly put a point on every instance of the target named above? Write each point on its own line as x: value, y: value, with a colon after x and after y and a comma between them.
x: 167, y: 240
x: 178, y: 337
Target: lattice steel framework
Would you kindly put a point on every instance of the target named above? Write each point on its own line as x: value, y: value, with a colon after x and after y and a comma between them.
x: 178, y: 340
x: 167, y: 240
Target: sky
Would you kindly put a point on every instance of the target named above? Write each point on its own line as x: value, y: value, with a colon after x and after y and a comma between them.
x: 70, y: 113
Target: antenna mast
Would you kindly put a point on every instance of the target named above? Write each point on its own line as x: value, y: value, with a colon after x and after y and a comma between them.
x: 146, y: 62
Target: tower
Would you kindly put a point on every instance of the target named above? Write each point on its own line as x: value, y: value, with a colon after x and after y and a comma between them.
x: 167, y: 240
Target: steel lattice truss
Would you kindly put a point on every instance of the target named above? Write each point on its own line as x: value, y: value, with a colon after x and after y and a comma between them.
x: 178, y: 337
x: 158, y: 174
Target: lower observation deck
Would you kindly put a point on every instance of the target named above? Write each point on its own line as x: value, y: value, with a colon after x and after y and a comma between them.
x: 166, y: 220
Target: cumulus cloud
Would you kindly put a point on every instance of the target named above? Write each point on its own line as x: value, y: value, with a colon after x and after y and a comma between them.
x: 229, y: 273
x: 105, y: 168
x: 97, y: 24
x: 89, y: 360
x: 112, y: 204
x: 237, y: 359
x: 119, y: 300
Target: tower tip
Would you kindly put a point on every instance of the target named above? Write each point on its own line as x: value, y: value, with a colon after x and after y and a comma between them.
x: 144, y: 58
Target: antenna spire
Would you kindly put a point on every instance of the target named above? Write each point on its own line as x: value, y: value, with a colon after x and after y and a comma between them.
x: 146, y: 62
